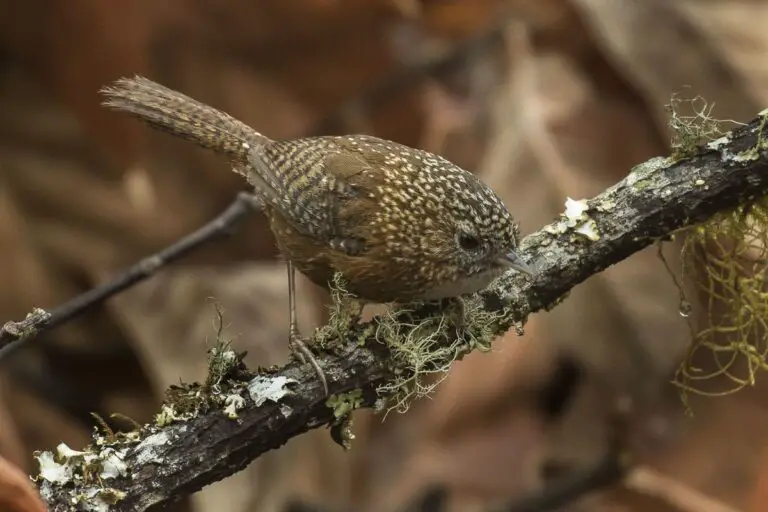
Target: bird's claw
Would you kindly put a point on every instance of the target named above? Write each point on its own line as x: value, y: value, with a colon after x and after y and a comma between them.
x: 301, y: 351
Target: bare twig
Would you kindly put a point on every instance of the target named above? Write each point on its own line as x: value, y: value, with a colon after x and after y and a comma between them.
x: 166, y: 461
x: 14, y: 335
x: 608, y: 471
x: 650, y: 482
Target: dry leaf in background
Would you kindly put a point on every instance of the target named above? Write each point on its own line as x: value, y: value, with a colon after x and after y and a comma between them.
x: 72, y: 48
x: 16, y: 492
x: 574, y: 99
x: 695, y: 44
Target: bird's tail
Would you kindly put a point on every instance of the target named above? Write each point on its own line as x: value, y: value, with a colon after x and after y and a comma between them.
x: 180, y: 115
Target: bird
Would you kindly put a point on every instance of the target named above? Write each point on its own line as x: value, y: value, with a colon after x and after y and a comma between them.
x: 399, y: 224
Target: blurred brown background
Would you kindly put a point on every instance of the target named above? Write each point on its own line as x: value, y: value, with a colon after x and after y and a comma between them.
x: 545, y: 99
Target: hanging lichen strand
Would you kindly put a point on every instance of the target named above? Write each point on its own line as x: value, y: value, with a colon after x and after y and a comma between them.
x: 726, y: 261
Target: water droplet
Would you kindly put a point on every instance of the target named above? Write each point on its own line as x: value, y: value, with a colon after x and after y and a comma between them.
x: 685, y: 308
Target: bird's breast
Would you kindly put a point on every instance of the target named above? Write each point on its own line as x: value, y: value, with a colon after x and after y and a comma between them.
x: 461, y: 286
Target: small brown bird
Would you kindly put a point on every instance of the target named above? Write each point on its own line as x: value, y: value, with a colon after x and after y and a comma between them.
x: 399, y: 224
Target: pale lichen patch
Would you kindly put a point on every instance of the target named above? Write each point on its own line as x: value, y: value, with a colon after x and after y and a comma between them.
x: 605, y: 206
x: 52, y: 471
x: 263, y: 388
x: 113, y: 464
x: 576, y: 218
x: 147, y: 451
x: 589, y: 230
x: 83, y: 473
x: 575, y: 210
x: 68, y: 464
x: 232, y: 404
x: 168, y: 415
x: 717, y: 143
x: 26, y: 327
x: 557, y: 228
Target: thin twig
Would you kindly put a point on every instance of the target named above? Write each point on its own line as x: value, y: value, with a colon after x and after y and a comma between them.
x: 15, y: 335
x: 611, y: 469
x: 608, y: 471
x: 653, y: 483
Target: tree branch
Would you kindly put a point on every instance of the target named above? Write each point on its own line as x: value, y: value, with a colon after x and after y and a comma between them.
x: 200, y: 447
x: 15, y: 335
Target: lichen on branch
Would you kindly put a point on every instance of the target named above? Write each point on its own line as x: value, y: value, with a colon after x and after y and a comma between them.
x: 656, y: 199
x: 726, y: 259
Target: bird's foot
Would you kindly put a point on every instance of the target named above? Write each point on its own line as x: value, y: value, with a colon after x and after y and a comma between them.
x: 301, y: 352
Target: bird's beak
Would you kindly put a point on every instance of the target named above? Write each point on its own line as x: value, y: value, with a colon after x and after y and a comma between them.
x: 513, y: 260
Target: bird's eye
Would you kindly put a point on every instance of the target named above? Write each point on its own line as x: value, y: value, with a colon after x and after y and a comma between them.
x: 468, y: 242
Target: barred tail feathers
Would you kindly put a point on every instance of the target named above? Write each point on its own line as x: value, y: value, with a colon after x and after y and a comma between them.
x: 182, y: 116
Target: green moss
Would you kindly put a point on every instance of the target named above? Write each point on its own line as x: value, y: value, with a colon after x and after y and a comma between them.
x: 364, y: 334
x: 344, y: 403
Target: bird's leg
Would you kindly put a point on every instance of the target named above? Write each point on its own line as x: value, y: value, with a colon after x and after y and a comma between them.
x: 295, y: 341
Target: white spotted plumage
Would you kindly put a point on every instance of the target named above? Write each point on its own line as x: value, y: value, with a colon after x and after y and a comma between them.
x: 404, y: 215
x: 418, y: 203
